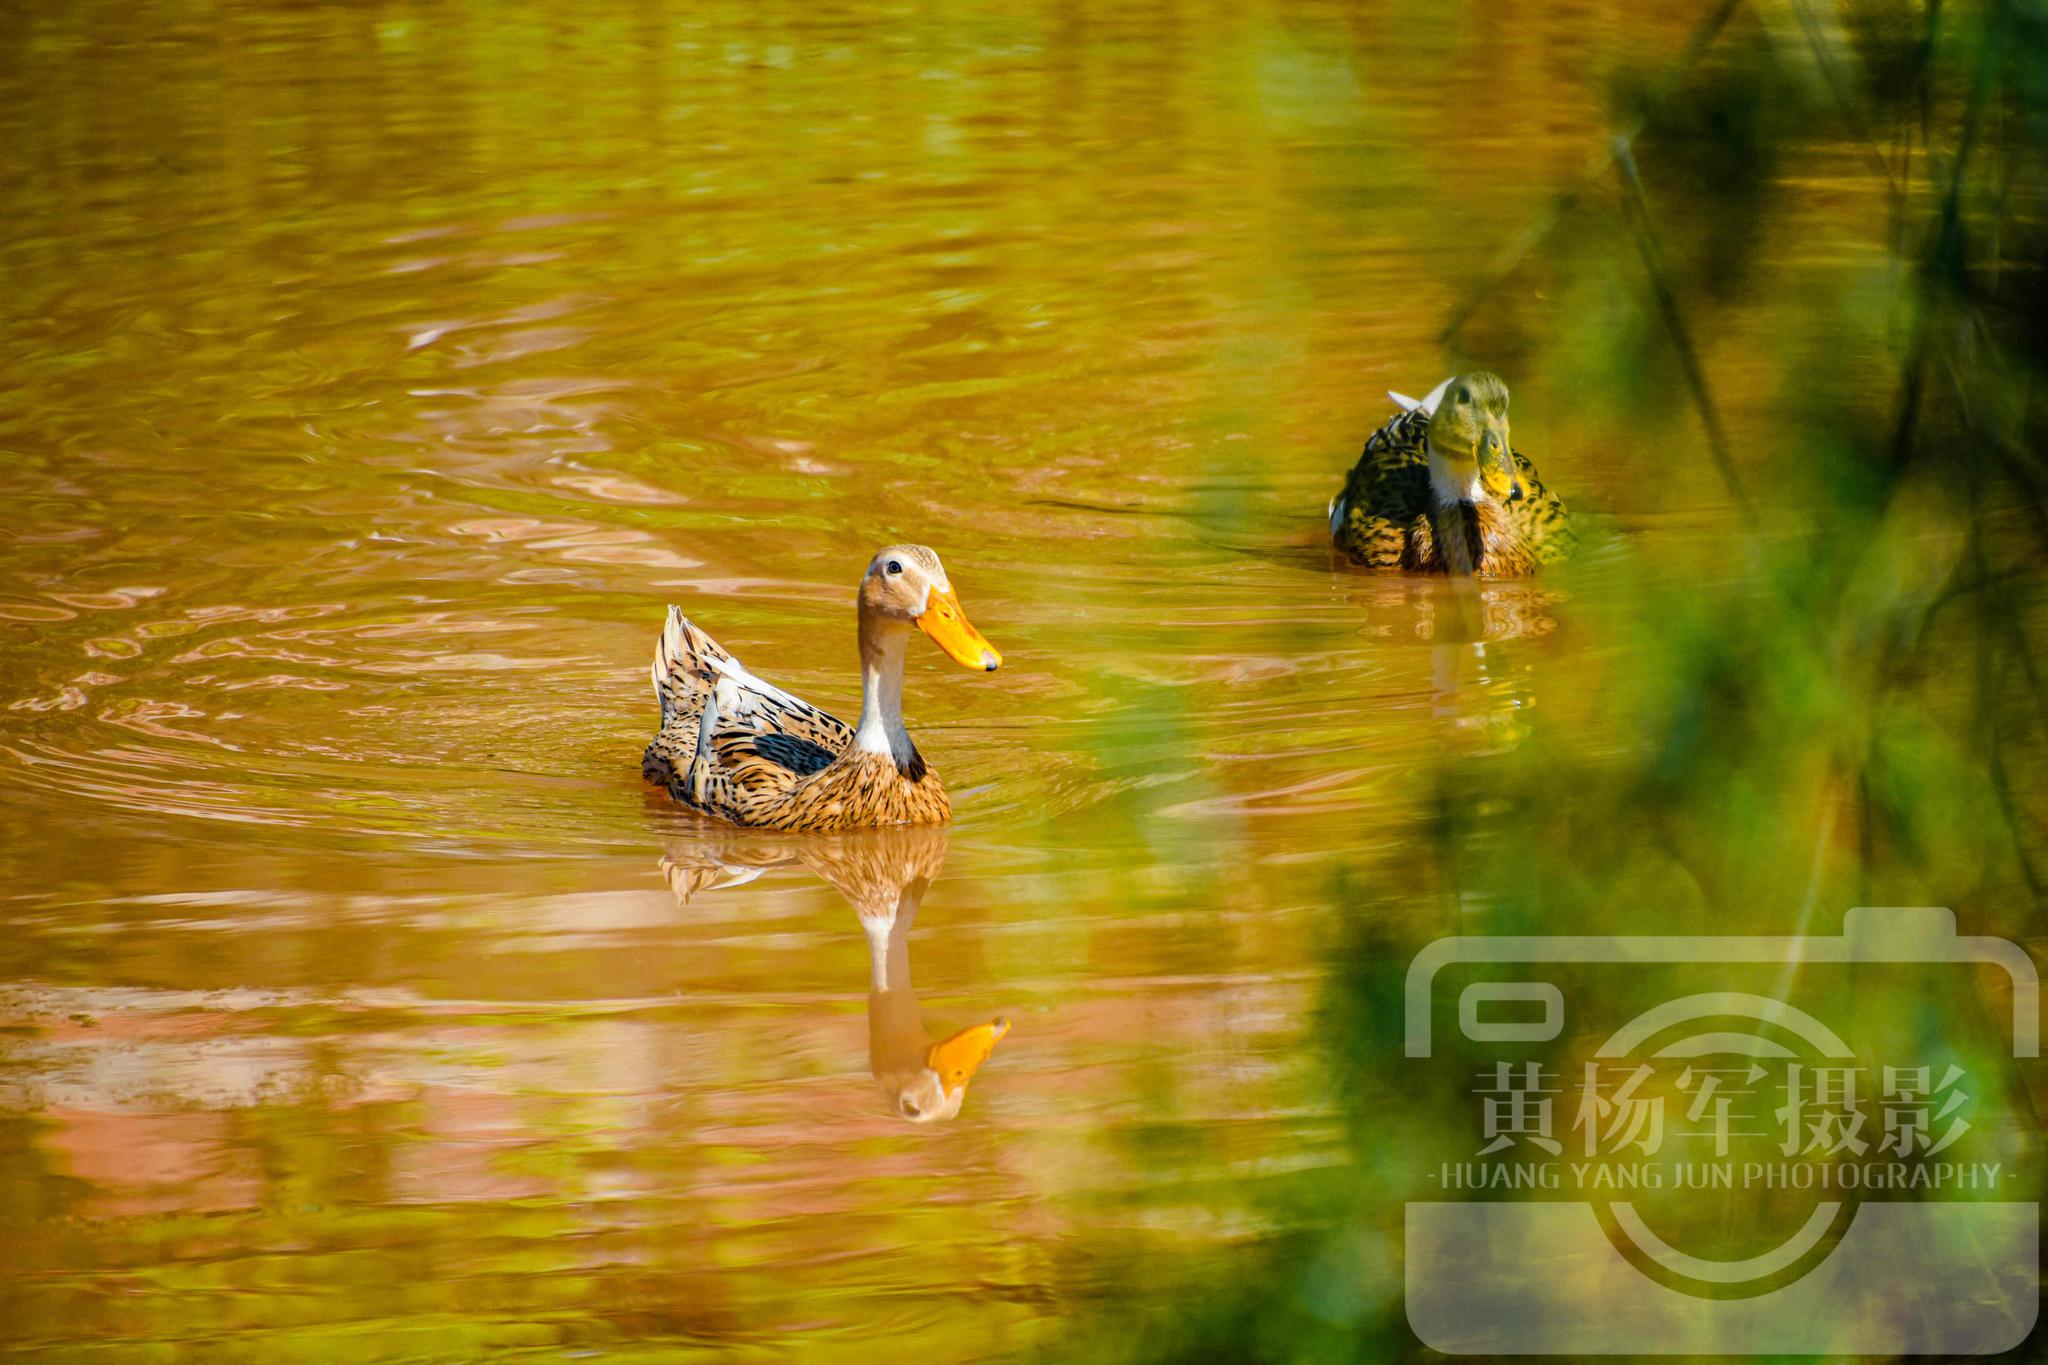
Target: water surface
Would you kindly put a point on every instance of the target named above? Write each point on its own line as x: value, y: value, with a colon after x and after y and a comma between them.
x: 371, y: 376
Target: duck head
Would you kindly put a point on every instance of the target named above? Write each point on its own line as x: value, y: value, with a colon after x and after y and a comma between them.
x: 1470, y: 458
x: 927, y: 1085
x: 908, y: 584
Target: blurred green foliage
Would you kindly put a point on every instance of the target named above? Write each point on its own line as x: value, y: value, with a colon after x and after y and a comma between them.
x: 1846, y: 704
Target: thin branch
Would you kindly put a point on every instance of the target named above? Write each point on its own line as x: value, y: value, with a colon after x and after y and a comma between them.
x: 1510, y: 258
x: 1674, y: 320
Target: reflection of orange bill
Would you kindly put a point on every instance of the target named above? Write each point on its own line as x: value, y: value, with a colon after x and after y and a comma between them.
x: 953, y: 632
x: 959, y: 1057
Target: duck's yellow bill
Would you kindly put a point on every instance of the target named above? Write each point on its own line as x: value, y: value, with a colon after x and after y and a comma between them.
x: 1497, y: 468
x: 953, y: 632
x: 1501, y: 480
x: 959, y: 1057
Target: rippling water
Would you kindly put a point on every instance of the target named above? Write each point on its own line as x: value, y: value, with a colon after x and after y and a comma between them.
x: 374, y: 374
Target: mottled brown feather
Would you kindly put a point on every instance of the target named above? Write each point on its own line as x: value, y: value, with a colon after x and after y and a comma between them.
x: 769, y: 759
x: 1385, y: 516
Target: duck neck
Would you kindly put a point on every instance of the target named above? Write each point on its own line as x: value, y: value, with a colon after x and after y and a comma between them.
x: 1452, y: 482
x: 1456, y: 495
x: 882, y: 643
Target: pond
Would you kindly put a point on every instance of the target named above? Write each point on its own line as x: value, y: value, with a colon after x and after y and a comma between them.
x: 375, y: 375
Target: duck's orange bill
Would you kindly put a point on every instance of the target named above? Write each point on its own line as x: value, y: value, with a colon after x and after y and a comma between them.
x: 959, y: 1057
x: 953, y: 632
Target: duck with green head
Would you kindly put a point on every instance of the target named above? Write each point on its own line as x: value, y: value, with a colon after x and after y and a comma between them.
x: 1440, y: 489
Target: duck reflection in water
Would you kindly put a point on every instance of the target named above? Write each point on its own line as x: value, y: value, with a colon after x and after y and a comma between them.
x: 1477, y: 692
x: 884, y: 874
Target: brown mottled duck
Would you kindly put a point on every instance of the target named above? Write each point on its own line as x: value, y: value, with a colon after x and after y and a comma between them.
x: 1439, y: 489
x: 746, y: 751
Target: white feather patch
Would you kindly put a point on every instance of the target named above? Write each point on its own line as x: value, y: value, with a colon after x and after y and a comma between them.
x: 732, y: 672
x: 1444, y: 486
x: 1428, y: 404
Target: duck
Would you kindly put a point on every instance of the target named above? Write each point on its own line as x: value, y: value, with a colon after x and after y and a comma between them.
x: 883, y: 874
x: 743, y: 750
x: 1439, y: 489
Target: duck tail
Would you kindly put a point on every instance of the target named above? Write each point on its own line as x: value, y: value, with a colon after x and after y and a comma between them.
x: 685, y: 664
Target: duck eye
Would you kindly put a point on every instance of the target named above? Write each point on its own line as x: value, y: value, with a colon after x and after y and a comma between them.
x: 895, y: 566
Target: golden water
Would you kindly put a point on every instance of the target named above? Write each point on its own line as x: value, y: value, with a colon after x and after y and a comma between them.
x: 371, y: 376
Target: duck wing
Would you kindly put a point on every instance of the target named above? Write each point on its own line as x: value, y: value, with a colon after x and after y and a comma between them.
x: 690, y: 869
x: 1538, y: 517
x: 691, y: 669
x: 1386, y: 493
x: 729, y: 740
